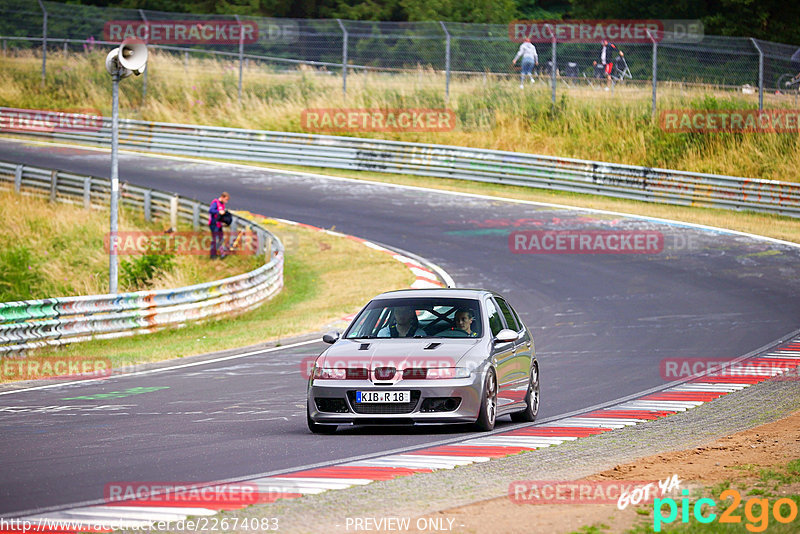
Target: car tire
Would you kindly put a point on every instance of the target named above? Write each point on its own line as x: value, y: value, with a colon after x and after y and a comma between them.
x: 317, y: 428
x: 528, y: 415
x: 488, y: 411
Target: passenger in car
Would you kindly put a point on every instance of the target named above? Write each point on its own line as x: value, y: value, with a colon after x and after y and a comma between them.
x: 464, y: 319
x: 405, y: 324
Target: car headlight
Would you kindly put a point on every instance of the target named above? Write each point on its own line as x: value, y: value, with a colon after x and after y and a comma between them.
x: 448, y: 372
x: 325, y: 373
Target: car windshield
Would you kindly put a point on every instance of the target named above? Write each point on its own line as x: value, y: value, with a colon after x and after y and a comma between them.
x: 418, y: 318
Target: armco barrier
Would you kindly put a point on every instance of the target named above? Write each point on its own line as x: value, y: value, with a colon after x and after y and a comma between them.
x: 36, y: 323
x: 494, y: 166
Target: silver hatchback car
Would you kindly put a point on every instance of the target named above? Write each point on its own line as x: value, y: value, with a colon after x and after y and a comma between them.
x: 426, y: 356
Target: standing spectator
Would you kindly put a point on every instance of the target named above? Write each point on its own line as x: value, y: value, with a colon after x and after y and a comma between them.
x: 215, y: 211
x: 529, y: 58
x: 606, y: 61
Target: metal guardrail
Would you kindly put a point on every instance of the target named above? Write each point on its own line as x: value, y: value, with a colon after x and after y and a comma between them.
x: 461, y: 163
x: 30, y: 324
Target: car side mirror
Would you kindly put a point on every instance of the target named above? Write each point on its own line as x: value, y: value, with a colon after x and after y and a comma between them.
x: 506, y: 336
x: 331, y: 337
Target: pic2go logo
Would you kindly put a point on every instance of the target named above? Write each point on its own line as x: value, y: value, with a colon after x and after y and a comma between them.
x: 757, y: 523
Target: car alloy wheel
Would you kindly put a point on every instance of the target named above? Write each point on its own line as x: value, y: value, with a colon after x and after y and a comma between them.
x: 528, y: 415
x: 488, y: 411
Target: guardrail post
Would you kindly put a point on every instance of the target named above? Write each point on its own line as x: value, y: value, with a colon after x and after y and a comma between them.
x: 260, y: 242
x: 196, y: 216
x: 268, y: 247
x: 446, y: 62
x: 148, y: 205
x: 760, y: 75
x: 344, y: 57
x: 18, y: 179
x: 87, y: 193
x: 44, y: 41
x: 5, y: 50
x: 53, y: 185
x: 173, y: 213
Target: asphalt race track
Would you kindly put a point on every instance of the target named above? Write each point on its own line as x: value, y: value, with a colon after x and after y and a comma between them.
x: 603, y: 324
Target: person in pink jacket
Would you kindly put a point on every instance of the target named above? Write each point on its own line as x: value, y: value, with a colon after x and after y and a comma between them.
x: 215, y: 211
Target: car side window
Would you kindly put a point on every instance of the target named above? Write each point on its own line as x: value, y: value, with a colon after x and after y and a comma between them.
x: 511, y: 321
x: 495, y: 322
x: 516, y: 316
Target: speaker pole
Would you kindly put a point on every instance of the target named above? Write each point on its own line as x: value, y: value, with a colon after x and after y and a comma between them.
x: 112, y: 249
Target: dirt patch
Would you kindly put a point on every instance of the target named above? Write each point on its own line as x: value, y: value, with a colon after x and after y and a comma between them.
x: 737, y: 458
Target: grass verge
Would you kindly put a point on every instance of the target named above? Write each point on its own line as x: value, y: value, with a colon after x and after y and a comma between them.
x: 319, y: 272
x: 586, y: 122
x: 57, y: 249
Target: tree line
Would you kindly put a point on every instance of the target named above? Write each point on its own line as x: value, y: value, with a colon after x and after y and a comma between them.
x: 772, y: 20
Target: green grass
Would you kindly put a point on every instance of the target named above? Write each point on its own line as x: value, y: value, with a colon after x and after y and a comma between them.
x: 319, y: 271
x: 585, y: 123
x: 57, y: 249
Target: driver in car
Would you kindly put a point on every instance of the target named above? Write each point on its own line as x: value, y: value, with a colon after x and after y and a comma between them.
x: 405, y: 324
x: 464, y: 319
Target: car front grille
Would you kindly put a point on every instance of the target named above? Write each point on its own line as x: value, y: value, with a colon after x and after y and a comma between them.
x: 385, y: 407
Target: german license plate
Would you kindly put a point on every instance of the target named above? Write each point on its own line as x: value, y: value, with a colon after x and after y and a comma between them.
x: 367, y: 397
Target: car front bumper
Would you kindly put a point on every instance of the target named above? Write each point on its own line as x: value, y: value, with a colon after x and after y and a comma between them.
x: 340, y: 395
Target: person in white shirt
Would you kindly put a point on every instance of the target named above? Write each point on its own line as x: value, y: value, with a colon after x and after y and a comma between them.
x: 606, y: 61
x: 529, y: 58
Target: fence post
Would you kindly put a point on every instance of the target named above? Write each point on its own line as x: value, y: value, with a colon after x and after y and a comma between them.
x: 655, y: 70
x: 18, y: 179
x: 53, y: 185
x: 446, y: 63
x: 148, y: 205
x: 196, y: 216
x: 553, y: 70
x: 345, y: 38
x: 87, y: 193
x: 173, y: 213
x: 144, y: 80
x: 241, y: 56
x: 760, y: 75
x: 44, y: 41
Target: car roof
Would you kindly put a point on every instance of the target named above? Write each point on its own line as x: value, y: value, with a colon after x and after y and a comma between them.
x: 444, y: 292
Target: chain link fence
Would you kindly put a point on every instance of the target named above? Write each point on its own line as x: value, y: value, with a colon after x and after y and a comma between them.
x: 437, y: 51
